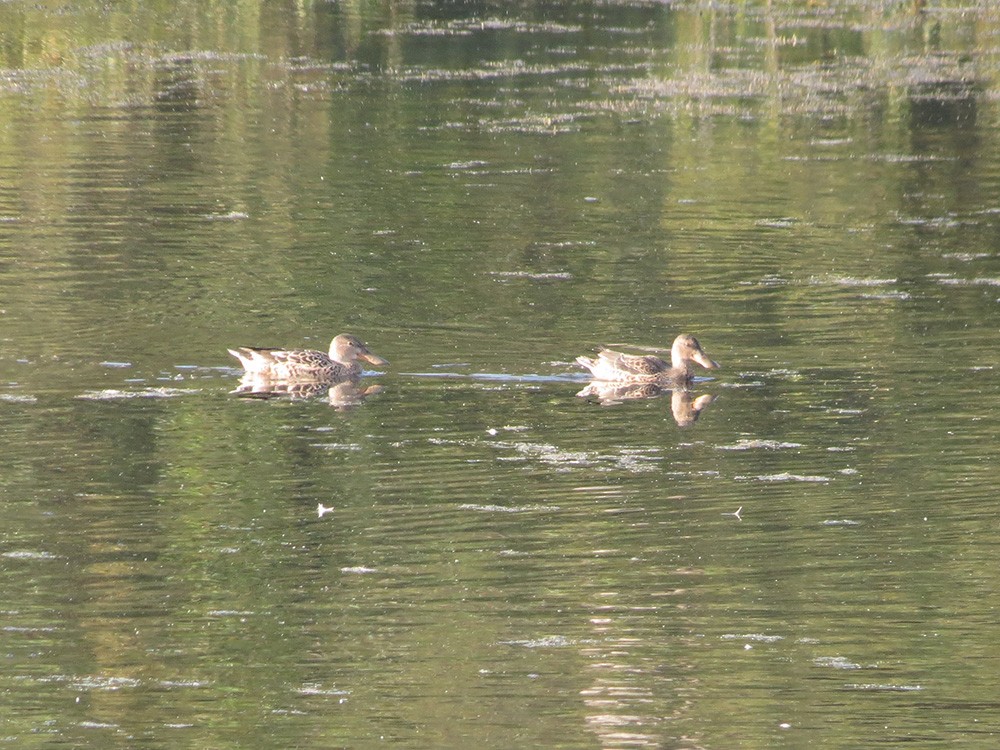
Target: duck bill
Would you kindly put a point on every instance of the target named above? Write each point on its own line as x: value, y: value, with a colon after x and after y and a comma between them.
x: 702, y: 359
x: 373, y: 359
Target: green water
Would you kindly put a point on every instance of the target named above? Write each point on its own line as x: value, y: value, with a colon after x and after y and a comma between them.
x: 484, y: 192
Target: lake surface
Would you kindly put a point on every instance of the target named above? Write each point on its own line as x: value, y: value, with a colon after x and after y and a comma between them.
x: 803, y: 550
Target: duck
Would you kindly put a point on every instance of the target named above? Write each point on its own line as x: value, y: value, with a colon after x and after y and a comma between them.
x: 341, y: 363
x: 616, y: 367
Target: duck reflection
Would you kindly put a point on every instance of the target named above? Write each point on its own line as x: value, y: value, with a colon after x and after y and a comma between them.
x: 685, y: 407
x: 342, y: 395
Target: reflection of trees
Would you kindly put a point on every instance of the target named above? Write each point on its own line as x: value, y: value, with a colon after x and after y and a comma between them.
x: 205, y: 126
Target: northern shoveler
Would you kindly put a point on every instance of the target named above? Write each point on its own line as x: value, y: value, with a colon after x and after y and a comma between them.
x: 645, y: 368
x: 308, y: 364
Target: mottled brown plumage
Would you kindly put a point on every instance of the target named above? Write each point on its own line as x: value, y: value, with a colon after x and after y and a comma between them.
x: 308, y: 364
x: 616, y: 367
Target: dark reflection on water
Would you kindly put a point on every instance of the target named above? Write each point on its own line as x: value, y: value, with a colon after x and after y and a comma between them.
x: 462, y: 550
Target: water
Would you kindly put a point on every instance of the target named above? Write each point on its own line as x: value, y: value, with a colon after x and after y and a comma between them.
x: 468, y: 552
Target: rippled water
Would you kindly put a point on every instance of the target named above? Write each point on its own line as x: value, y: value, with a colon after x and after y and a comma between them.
x: 476, y: 547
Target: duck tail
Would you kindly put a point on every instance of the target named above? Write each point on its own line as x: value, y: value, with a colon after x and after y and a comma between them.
x: 587, y: 362
x: 252, y: 358
x: 242, y: 356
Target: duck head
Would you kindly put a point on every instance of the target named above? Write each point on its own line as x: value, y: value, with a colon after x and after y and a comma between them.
x: 347, y: 348
x: 686, y: 349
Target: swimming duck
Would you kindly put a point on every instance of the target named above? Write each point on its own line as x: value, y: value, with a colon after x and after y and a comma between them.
x: 645, y: 368
x: 308, y: 364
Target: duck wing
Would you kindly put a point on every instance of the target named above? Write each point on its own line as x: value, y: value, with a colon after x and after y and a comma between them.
x: 303, y: 357
x: 645, y: 365
x: 300, y: 357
